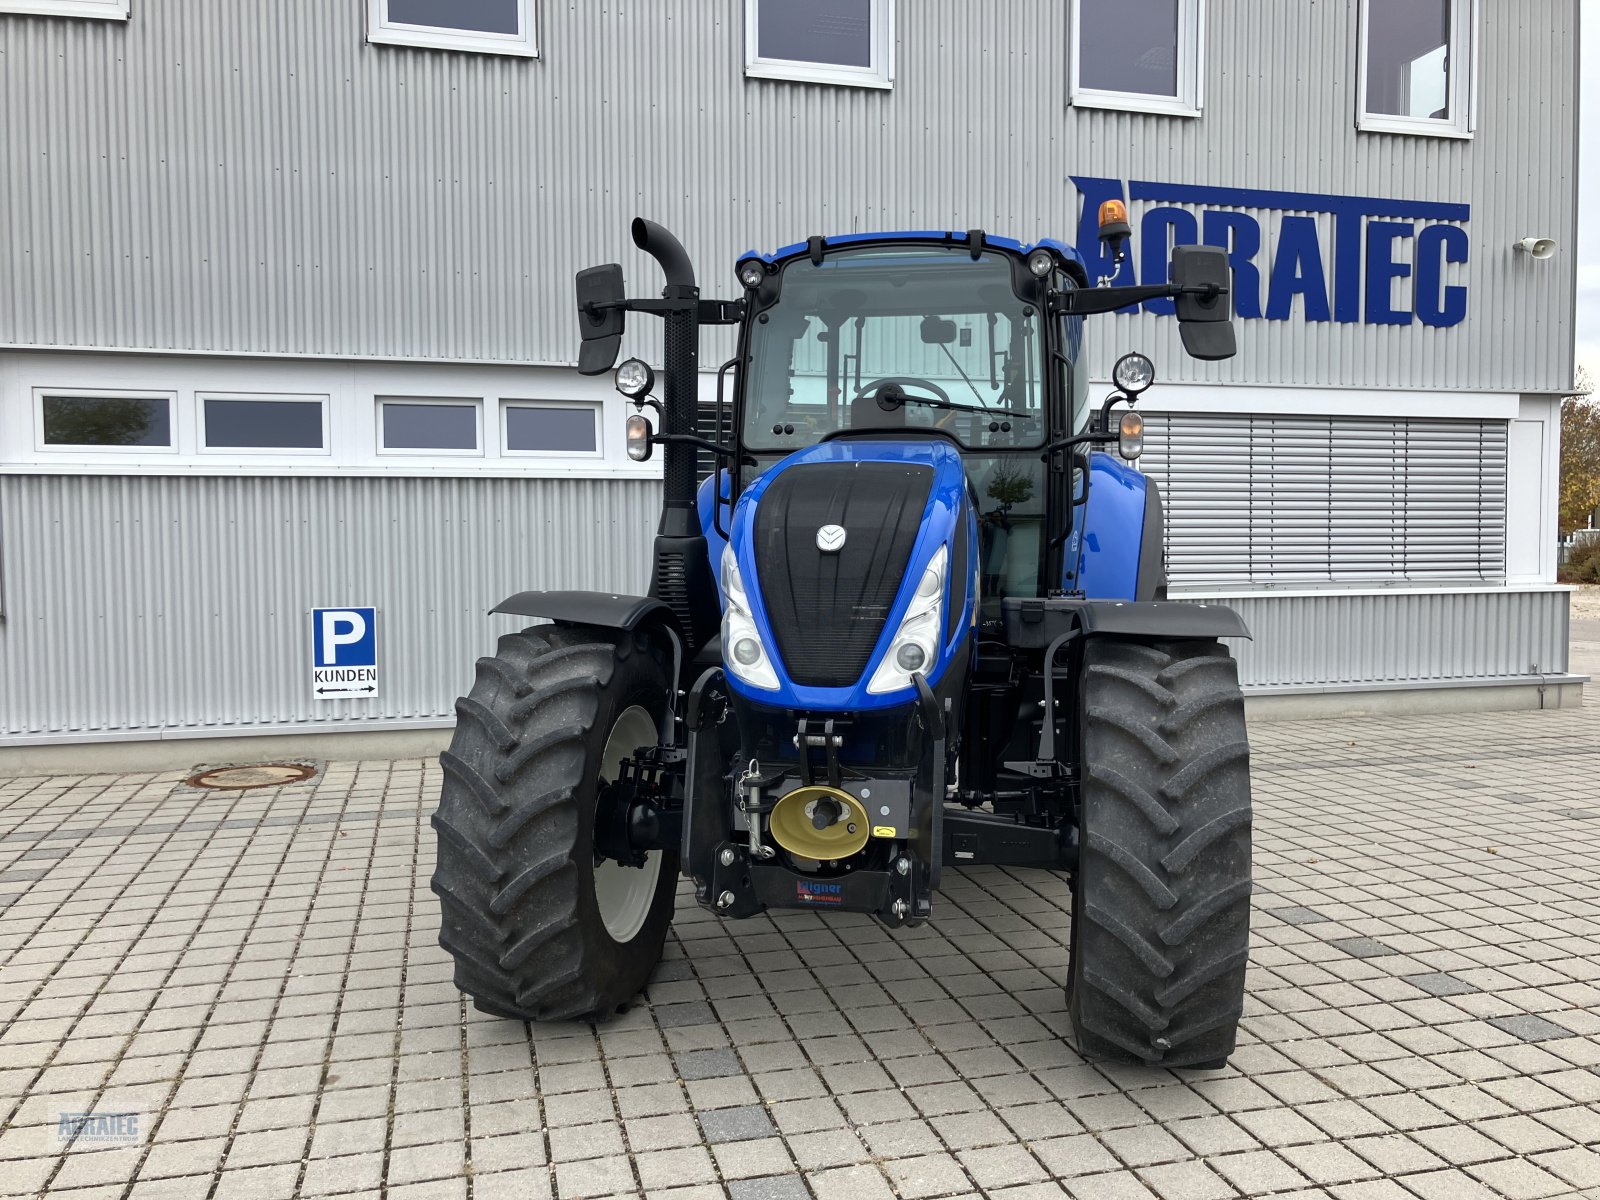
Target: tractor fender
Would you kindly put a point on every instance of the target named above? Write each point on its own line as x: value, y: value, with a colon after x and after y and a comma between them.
x: 1160, y: 619
x: 608, y: 610
x: 1035, y: 624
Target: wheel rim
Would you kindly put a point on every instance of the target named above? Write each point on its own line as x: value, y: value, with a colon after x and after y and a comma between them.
x: 624, y: 894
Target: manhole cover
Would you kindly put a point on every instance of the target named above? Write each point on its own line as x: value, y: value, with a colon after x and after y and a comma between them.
x: 258, y: 776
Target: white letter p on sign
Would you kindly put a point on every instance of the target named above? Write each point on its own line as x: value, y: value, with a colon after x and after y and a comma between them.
x: 354, y: 629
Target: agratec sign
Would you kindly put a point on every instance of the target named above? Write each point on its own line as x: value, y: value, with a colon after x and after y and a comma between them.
x: 1375, y: 249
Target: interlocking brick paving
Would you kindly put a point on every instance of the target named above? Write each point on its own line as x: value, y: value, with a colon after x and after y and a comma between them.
x: 243, y: 991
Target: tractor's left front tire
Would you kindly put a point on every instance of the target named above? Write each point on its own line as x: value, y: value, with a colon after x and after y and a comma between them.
x: 541, y: 928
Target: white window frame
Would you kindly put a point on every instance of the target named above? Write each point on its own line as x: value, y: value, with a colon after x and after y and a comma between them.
x: 507, y: 403
x: 879, y: 75
x: 475, y: 403
x: 100, y: 10
x: 1191, y: 70
x: 200, y: 446
x: 1465, y: 21
x: 93, y: 393
x: 434, y: 37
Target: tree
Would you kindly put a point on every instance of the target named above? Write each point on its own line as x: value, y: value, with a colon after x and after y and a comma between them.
x: 1580, y: 458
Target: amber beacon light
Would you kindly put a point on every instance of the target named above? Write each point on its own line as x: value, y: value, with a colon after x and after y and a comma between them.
x: 1114, y: 228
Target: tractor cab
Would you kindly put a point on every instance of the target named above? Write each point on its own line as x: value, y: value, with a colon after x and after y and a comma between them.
x: 911, y: 338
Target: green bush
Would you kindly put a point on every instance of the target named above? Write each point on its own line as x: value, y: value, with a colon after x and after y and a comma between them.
x: 1584, y: 565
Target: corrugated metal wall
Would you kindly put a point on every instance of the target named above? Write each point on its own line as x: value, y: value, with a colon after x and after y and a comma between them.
x: 156, y: 602
x: 1337, y: 641
x: 253, y: 177
x: 165, y: 603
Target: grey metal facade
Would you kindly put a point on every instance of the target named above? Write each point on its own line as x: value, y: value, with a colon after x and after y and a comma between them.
x: 254, y: 178
x: 160, y: 604
x: 142, y: 604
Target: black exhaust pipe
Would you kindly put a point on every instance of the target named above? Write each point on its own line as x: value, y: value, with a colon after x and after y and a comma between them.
x: 667, y: 250
x: 682, y: 573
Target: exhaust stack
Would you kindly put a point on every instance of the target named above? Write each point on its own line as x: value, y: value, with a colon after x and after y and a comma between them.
x: 682, y: 574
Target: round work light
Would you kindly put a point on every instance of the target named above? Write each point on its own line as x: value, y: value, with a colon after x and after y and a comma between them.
x: 751, y: 273
x: 1041, y: 262
x: 634, y: 378
x: 1133, y: 373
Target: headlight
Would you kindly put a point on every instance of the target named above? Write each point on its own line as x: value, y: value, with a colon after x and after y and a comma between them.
x: 752, y: 272
x: 1041, y: 262
x: 1133, y: 373
x: 916, y: 643
x: 743, y: 652
x: 634, y: 378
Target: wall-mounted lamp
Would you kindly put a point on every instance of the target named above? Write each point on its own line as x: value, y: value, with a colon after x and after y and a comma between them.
x: 1535, y: 248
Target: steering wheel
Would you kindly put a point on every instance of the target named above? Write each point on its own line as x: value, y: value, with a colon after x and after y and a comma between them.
x: 901, y: 380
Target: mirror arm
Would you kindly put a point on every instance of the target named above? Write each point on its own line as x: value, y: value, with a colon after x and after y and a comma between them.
x: 1080, y: 439
x: 1083, y: 302
x: 689, y: 439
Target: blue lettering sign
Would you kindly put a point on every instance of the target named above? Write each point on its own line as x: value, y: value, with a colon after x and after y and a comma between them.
x: 1419, y: 242
x: 1297, y: 271
x: 1437, y: 245
x: 1383, y: 270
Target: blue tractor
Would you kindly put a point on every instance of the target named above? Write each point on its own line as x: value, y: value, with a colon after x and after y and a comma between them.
x: 912, y: 619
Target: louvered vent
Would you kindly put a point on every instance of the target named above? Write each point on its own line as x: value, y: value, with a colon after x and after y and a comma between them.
x: 1254, y: 499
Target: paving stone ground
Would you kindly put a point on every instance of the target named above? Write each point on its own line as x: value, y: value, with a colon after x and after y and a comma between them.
x: 252, y: 977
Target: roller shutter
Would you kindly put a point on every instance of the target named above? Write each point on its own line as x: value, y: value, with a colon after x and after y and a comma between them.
x: 1275, y: 500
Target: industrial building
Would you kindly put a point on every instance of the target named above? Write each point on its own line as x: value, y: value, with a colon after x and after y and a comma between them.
x: 286, y: 324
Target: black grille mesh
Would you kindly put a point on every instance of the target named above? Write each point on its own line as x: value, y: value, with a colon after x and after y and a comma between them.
x: 827, y: 610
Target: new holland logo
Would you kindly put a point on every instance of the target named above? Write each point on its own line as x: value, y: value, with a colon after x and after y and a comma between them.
x: 830, y: 539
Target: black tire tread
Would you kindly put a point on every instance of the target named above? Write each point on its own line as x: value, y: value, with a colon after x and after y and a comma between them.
x: 1163, y: 888
x: 513, y: 854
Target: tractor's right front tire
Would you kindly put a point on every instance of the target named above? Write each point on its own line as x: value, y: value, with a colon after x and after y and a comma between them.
x: 541, y: 928
x: 1161, y: 900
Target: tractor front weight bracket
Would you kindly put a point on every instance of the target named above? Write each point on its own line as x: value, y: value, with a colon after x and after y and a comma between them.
x: 739, y: 887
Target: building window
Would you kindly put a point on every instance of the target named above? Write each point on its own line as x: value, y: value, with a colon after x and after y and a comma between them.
x: 429, y: 424
x: 821, y: 41
x: 1138, y: 55
x: 106, y: 10
x: 271, y: 424
x: 534, y: 428
x: 483, y: 26
x: 105, y: 420
x: 1416, y: 66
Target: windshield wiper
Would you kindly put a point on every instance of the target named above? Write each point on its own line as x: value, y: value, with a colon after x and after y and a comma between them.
x: 932, y: 402
x: 971, y: 387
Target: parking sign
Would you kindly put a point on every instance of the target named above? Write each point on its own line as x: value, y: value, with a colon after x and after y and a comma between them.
x: 344, y: 652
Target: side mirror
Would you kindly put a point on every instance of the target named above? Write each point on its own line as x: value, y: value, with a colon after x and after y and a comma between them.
x: 600, y: 327
x: 1205, y: 323
x: 938, y: 331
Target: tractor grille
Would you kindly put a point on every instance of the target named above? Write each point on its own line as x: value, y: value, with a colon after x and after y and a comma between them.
x: 827, y: 610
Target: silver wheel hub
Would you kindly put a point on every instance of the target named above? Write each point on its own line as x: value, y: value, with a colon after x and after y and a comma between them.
x: 624, y: 894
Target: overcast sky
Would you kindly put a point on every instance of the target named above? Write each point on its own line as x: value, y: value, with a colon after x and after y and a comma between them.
x: 1589, y: 197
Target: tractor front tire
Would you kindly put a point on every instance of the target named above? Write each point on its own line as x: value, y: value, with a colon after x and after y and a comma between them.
x: 1161, y: 901
x: 540, y: 928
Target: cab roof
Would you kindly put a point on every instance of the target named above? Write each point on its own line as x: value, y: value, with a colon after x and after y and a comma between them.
x: 936, y: 237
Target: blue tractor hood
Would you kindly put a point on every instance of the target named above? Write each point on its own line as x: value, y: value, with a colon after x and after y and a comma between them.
x: 827, y: 610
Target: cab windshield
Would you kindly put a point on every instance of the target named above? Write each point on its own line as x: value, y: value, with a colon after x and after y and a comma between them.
x: 895, y: 337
